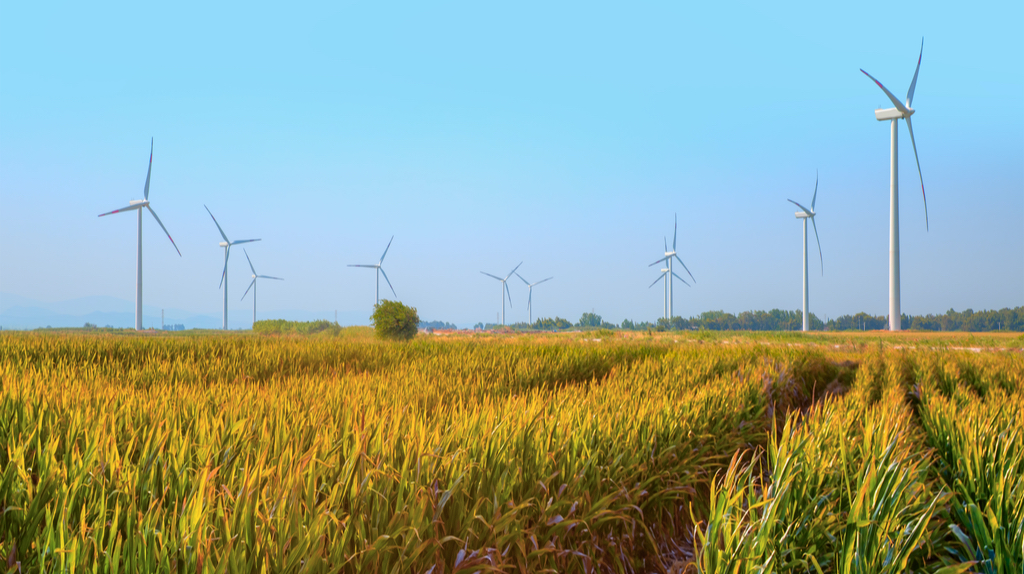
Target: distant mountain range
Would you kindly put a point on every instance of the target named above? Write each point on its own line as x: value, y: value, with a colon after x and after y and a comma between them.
x: 17, y: 312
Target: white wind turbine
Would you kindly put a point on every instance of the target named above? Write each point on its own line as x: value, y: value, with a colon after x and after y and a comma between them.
x: 668, y: 273
x: 380, y: 270
x: 137, y: 205
x: 226, y: 244
x: 529, y: 300
x: 504, y: 290
x: 253, y: 284
x: 805, y: 215
x: 901, y: 111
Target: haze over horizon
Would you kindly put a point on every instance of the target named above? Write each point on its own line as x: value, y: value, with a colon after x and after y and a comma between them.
x: 564, y: 136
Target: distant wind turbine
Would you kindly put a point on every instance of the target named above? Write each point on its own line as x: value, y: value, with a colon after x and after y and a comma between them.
x: 901, y: 111
x: 253, y: 284
x: 668, y: 274
x: 529, y: 300
x: 805, y: 215
x: 137, y: 205
x: 380, y: 270
x: 504, y: 290
x: 226, y: 244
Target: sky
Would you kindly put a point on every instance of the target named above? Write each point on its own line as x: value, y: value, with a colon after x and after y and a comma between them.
x: 565, y: 136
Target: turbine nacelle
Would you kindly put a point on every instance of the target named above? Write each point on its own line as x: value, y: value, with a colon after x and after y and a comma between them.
x: 139, y: 202
x: 224, y: 244
x: 804, y: 214
x: 892, y: 114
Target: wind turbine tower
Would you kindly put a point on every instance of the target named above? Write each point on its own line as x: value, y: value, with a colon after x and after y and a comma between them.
x: 664, y: 271
x: 901, y: 111
x: 137, y: 205
x: 668, y: 274
x: 805, y: 215
x: 380, y: 270
x: 253, y: 286
x: 226, y: 244
x: 504, y: 290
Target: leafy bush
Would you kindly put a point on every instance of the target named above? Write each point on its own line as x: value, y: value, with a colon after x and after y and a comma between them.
x: 281, y: 327
x: 393, y: 320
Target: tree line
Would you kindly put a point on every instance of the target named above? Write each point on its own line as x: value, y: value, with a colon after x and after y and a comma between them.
x: 783, y: 320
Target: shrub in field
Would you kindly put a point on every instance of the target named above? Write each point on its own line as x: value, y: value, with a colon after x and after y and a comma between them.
x: 281, y: 327
x: 393, y: 320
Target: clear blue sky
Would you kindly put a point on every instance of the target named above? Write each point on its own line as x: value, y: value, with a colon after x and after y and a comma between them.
x: 564, y: 135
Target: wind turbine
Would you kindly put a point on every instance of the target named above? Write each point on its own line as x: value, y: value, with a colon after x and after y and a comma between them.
x: 226, y: 244
x: 901, y: 111
x: 137, y: 205
x: 380, y: 270
x: 529, y: 300
x: 253, y: 284
x: 805, y: 215
x: 504, y: 290
x: 669, y: 273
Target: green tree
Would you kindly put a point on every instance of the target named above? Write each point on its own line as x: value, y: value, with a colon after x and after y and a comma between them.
x: 590, y: 320
x: 393, y: 320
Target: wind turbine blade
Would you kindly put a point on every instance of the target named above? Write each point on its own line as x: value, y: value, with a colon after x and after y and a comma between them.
x: 911, y: 128
x: 512, y: 271
x: 164, y: 228
x: 150, y: 172
x: 495, y: 276
x: 819, y: 246
x: 269, y: 277
x: 129, y: 208
x: 680, y: 278
x: 899, y: 105
x: 508, y: 293
x: 388, y: 280
x: 244, y: 241
x: 913, y: 83
x: 247, y: 290
x: 684, y: 267
x: 541, y: 281
x: 368, y: 266
x: 660, y: 260
x: 524, y: 280
x: 665, y: 239
x: 660, y: 277
x: 675, y: 230
x: 807, y: 211
x: 226, y: 240
x: 815, y: 197
x: 227, y: 254
x: 249, y: 260
x: 386, y: 251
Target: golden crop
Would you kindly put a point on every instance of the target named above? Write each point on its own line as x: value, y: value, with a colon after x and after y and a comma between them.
x: 241, y: 453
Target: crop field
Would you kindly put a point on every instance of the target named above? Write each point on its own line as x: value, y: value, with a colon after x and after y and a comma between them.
x: 584, y: 452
